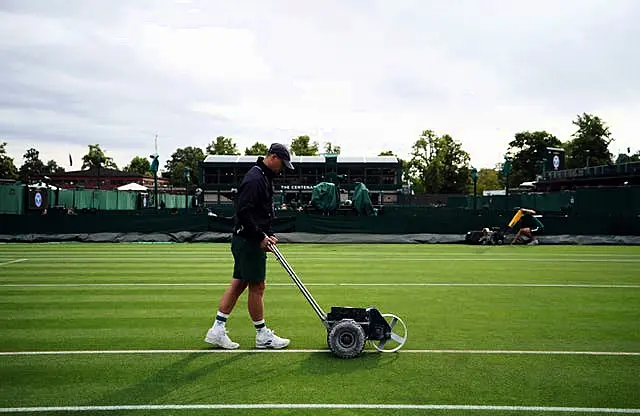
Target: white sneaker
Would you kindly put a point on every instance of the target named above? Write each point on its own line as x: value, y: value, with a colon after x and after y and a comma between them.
x: 267, y: 339
x: 218, y: 336
x: 534, y: 243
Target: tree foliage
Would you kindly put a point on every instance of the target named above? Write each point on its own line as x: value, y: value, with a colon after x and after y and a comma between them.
x: 222, y: 146
x: 590, y: 143
x: 96, y: 157
x: 302, y: 146
x: 488, y: 180
x: 438, y: 165
x: 181, y: 158
x: 139, y: 166
x: 529, y: 149
x: 7, y: 168
x: 33, y: 168
x: 52, y: 168
x: 628, y: 157
x: 258, y: 149
x: 331, y: 149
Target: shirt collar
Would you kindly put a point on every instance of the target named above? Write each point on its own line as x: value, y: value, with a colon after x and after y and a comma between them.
x: 264, y: 168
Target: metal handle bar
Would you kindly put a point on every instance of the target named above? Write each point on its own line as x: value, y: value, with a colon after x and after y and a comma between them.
x: 318, y: 310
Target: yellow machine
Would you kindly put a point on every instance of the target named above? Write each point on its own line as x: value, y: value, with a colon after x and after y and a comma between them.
x: 516, y: 218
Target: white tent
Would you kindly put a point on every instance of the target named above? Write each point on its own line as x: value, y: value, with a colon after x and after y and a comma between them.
x: 42, y: 185
x: 132, y: 187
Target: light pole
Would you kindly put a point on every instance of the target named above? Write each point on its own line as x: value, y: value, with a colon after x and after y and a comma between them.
x: 187, y: 172
x: 474, y: 176
x: 154, y: 169
x: 506, y: 169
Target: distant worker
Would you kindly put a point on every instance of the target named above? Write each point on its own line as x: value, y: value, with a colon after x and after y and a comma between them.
x: 529, y: 225
x: 252, y: 238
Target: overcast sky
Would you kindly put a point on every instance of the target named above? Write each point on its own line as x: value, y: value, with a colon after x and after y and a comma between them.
x: 366, y: 75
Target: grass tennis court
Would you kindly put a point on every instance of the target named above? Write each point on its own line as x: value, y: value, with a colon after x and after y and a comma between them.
x: 500, y: 330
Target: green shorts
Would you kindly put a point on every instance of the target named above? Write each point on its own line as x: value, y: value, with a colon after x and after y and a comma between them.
x: 250, y: 260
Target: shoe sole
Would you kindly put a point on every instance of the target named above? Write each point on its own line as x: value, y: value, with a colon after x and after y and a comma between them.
x: 212, y: 342
x: 266, y: 347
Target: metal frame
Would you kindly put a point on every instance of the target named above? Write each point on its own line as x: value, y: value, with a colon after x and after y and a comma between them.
x: 316, y: 307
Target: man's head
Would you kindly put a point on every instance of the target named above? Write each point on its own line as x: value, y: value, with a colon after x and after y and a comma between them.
x: 278, y: 157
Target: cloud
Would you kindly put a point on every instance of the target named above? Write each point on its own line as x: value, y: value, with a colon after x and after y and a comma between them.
x: 367, y: 75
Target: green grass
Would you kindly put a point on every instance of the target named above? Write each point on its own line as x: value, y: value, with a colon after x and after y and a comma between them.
x: 69, y: 297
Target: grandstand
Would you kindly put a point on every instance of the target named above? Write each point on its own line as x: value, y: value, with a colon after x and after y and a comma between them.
x: 222, y: 174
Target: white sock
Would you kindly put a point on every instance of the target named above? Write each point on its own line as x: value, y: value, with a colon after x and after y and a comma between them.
x: 221, y: 319
x: 260, y: 325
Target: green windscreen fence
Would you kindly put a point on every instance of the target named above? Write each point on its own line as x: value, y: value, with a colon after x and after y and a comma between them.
x: 108, y: 200
x: 173, y: 201
x: 12, y: 199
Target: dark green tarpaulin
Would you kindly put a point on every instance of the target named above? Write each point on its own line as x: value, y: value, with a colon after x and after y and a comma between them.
x: 325, y: 197
x: 388, y: 221
x: 361, y: 200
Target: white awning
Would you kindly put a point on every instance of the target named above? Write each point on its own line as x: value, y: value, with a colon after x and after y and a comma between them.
x: 132, y: 187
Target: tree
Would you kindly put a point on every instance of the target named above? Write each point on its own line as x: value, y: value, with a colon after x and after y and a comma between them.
x: 438, y: 165
x: 590, y: 143
x: 7, y: 169
x: 97, y: 158
x: 301, y: 147
x: 139, y: 166
x: 222, y: 146
x: 488, y: 180
x: 403, y: 163
x: 181, y: 158
x: 529, y: 149
x: 52, y: 168
x: 331, y: 149
x: 258, y: 149
x: 33, y: 168
x: 628, y: 158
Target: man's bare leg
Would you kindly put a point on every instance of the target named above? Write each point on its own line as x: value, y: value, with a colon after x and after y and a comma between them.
x: 516, y: 237
x: 255, y: 302
x: 217, y: 335
x: 231, y: 295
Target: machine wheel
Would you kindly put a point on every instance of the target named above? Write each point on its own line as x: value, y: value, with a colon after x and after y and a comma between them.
x: 397, y: 337
x: 346, y: 339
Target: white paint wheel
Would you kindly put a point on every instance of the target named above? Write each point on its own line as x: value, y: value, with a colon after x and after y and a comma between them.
x: 398, y: 334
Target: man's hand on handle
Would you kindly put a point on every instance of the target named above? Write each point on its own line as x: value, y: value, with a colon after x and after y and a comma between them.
x: 268, y: 241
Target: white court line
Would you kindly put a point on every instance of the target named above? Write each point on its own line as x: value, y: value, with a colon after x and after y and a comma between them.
x: 244, y: 406
x: 309, y: 351
x: 303, y: 254
x: 584, y: 285
x: 13, y: 261
x: 532, y: 285
x: 181, y: 259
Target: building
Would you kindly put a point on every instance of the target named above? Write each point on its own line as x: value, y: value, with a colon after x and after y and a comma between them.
x: 221, y: 175
x: 103, y: 178
x: 614, y: 175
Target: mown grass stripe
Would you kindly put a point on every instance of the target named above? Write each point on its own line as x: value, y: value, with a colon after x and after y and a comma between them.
x: 314, y: 351
x: 363, y: 406
x: 527, y: 285
x: 162, y: 258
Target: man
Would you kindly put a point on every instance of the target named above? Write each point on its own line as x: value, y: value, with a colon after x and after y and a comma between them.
x: 252, y: 238
x: 528, y: 226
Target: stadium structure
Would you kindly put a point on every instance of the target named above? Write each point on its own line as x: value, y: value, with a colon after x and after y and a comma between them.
x: 382, y: 175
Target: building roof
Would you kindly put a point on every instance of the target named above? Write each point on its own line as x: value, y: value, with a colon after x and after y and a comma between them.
x: 93, y: 172
x: 303, y: 159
